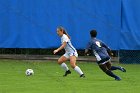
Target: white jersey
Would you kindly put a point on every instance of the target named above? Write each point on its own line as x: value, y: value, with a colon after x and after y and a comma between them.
x: 69, y: 47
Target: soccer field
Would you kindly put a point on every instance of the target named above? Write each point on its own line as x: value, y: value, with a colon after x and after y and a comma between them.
x: 48, y: 78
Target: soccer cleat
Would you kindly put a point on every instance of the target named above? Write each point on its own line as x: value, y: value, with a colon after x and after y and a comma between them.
x: 122, y: 69
x: 66, y: 73
x: 117, y: 78
x: 82, y: 76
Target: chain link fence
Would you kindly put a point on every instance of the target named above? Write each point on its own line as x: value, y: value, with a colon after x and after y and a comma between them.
x: 129, y: 56
x: 45, y: 54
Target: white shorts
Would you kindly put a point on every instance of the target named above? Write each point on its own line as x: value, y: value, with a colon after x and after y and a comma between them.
x: 68, y: 54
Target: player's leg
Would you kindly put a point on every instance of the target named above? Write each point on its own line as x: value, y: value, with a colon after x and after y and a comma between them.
x: 105, y: 69
x: 75, y: 67
x: 61, y: 61
x: 109, y: 65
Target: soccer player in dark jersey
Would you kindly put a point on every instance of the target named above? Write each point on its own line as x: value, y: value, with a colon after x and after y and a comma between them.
x: 102, y: 53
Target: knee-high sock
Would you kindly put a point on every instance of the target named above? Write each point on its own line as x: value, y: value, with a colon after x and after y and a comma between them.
x: 115, y: 68
x: 78, y: 70
x: 64, y: 66
x: 108, y: 72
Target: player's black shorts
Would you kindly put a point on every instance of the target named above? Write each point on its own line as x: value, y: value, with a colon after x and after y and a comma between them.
x: 103, y: 60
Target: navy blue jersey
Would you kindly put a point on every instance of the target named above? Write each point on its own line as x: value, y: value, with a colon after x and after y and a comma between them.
x: 98, y: 48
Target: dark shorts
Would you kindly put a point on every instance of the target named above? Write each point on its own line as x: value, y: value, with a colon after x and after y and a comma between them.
x: 103, y: 61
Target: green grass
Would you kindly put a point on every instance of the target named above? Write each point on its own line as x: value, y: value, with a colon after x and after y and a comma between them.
x: 48, y: 78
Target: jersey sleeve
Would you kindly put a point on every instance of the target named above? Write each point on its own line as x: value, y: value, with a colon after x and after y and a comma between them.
x: 105, y: 46
x: 89, y: 44
x: 65, y: 39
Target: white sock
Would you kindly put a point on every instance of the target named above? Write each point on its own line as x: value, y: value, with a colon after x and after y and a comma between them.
x: 64, y: 66
x: 78, y: 70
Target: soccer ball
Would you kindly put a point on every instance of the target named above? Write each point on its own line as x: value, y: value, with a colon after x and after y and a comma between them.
x: 29, y: 72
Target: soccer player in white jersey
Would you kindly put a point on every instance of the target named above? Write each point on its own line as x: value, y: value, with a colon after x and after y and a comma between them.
x: 70, y: 53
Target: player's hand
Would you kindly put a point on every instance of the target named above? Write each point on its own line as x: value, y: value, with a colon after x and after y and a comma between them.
x: 111, y: 54
x: 86, y: 52
x: 55, y: 51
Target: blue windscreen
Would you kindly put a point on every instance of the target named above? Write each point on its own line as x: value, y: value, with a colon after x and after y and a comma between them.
x: 130, y: 29
x: 33, y: 23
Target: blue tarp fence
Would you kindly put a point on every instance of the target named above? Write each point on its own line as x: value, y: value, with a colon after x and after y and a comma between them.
x: 33, y: 23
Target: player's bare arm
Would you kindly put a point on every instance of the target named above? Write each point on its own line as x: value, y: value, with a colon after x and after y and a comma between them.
x: 60, y: 48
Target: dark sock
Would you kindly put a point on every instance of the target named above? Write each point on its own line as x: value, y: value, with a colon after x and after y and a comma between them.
x: 108, y: 72
x: 114, y: 68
